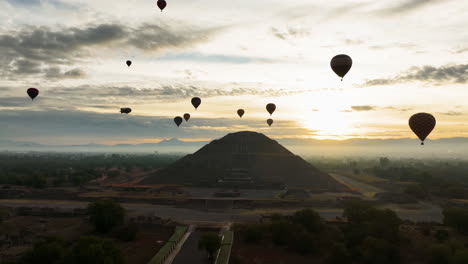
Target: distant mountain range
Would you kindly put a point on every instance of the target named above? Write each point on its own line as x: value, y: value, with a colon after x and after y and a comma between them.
x: 455, y: 146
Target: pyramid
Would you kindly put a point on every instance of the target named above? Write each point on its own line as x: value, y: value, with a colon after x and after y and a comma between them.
x: 245, y: 160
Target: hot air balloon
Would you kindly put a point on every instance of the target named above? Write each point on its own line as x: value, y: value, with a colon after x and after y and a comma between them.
x: 162, y: 4
x: 422, y: 125
x: 186, y: 117
x: 196, y: 102
x: 240, y: 112
x: 125, y: 110
x: 129, y: 63
x: 178, y: 120
x: 271, y: 108
x: 341, y: 64
x: 33, y: 93
x: 270, y: 122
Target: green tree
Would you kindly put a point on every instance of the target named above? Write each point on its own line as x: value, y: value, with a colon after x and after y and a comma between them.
x: 440, y: 254
x: 460, y: 257
x: 441, y: 235
x: 456, y: 218
x: 302, y: 242
x: 210, y: 242
x: 105, y: 215
x: 50, y: 251
x: 127, y: 232
x: 339, y: 255
x: 93, y: 250
x: 309, y: 219
x: 254, y: 233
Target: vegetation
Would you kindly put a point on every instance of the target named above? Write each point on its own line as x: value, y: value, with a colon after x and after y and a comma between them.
x: 210, y: 242
x: 456, y: 218
x: 106, y: 215
x: 91, y: 250
x: 41, y: 170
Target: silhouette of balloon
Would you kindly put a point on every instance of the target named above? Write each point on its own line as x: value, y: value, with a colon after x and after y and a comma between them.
x: 129, y: 63
x: 125, y: 110
x: 186, y: 117
x: 162, y: 4
x: 270, y: 122
x: 178, y: 120
x: 240, y: 112
x: 33, y: 93
x: 341, y: 64
x: 196, y: 102
x: 271, y: 108
x: 422, y: 125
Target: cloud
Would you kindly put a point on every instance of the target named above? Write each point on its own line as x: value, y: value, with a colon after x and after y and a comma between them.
x: 360, y: 108
x: 65, y: 127
x: 212, y: 58
x: 400, y: 45
x: 406, y: 6
x: 57, y: 73
x: 452, y: 113
x: 289, y: 32
x: 397, y: 109
x: 31, y: 49
x: 429, y: 74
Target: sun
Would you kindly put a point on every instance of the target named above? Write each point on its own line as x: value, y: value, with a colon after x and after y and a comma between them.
x: 329, y: 124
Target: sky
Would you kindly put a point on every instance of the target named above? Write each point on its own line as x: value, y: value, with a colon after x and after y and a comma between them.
x: 409, y: 56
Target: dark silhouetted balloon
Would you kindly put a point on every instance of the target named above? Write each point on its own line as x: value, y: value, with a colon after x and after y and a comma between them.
x: 341, y: 64
x: 125, y: 110
x: 196, y: 102
x: 178, y: 120
x: 271, y: 108
x: 240, y: 112
x: 422, y: 125
x: 186, y: 117
x: 33, y: 93
x: 162, y: 4
x: 270, y: 122
x: 129, y: 63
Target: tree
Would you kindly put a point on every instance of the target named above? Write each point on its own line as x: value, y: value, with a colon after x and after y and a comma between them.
x: 254, y: 233
x: 456, y: 218
x: 105, y: 215
x: 339, y: 255
x: 302, y: 242
x: 460, y: 257
x: 93, y: 250
x: 384, y: 161
x: 440, y: 254
x: 309, y: 219
x: 50, y: 251
x: 441, y: 235
x: 210, y: 242
x: 127, y: 232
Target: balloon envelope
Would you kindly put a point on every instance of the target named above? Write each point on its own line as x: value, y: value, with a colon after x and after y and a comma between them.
x: 196, y: 102
x: 178, y: 120
x: 271, y: 108
x: 186, y: 117
x: 240, y: 112
x: 270, y: 122
x: 422, y: 125
x: 125, y: 110
x: 341, y: 64
x: 162, y: 4
x: 33, y: 93
x: 129, y: 63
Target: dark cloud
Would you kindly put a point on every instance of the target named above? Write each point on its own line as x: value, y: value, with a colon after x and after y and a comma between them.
x: 459, y: 51
x: 428, y: 74
x: 31, y: 49
x: 360, y: 108
x: 393, y: 45
x: 407, y: 6
x: 57, y: 73
x: 95, y: 126
x: 452, y: 113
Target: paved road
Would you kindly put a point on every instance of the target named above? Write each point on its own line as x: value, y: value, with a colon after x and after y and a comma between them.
x: 424, y: 212
x: 364, y: 188
x: 190, y: 253
x: 179, y: 246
